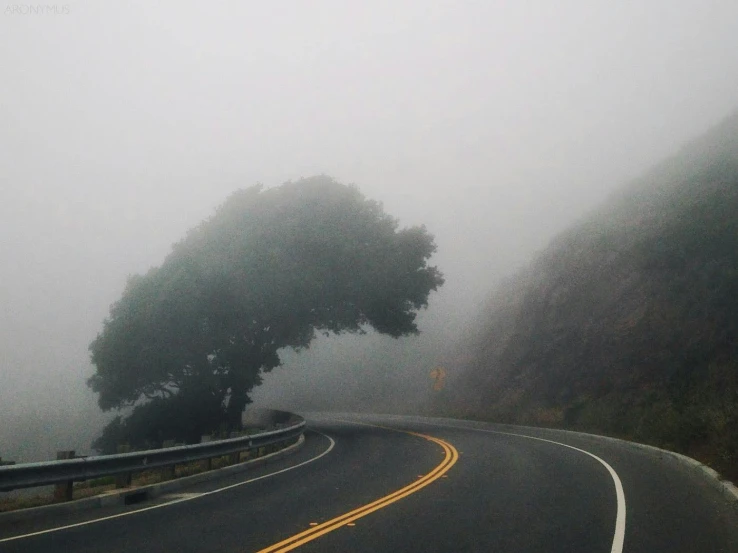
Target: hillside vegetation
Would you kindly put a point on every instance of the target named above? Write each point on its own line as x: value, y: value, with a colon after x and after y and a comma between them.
x: 627, y: 324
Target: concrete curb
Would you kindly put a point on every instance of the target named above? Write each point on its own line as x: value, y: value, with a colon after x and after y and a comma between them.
x: 143, y: 493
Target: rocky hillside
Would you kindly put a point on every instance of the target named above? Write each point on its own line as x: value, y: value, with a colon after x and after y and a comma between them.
x: 628, y: 323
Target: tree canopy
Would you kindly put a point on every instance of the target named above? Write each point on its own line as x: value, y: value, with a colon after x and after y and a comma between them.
x: 267, y: 271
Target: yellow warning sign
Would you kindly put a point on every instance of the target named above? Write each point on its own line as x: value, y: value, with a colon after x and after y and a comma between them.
x: 438, y: 375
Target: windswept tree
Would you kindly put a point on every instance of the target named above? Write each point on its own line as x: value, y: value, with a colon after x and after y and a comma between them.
x: 267, y: 271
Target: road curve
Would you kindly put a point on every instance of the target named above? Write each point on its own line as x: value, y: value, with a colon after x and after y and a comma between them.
x: 384, y: 483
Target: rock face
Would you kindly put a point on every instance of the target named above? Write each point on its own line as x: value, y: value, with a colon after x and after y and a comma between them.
x: 628, y: 322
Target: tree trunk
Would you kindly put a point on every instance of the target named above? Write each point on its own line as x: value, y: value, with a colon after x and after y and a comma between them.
x: 236, y: 404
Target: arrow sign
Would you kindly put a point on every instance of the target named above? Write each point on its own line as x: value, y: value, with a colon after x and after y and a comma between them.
x: 438, y: 375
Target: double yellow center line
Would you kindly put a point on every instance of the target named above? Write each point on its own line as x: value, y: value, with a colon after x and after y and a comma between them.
x: 450, y: 458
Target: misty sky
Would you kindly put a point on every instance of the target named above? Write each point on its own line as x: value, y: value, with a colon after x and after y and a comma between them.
x: 496, y: 124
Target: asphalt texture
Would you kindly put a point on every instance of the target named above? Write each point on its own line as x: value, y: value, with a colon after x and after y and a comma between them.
x: 506, y: 492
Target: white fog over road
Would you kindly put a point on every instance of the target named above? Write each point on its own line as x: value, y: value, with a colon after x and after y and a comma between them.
x: 495, y: 124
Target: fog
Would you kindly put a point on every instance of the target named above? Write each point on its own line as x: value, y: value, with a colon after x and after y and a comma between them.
x: 495, y: 124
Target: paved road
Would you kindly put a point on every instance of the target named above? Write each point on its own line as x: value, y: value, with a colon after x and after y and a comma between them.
x: 371, y: 483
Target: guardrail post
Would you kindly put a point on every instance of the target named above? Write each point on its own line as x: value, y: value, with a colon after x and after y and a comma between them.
x: 123, y: 480
x: 167, y: 473
x: 234, y: 457
x: 204, y: 439
x: 64, y: 490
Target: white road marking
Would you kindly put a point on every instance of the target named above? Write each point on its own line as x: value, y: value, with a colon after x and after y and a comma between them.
x: 187, y: 497
x: 619, y: 537
x: 181, y: 495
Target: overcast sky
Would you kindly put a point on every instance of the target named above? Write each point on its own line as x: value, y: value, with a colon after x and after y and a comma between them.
x: 496, y: 124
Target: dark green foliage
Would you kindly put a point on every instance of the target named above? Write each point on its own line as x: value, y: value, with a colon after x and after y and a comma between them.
x: 266, y: 272
x: 183, y: 417
x: 628, y: 323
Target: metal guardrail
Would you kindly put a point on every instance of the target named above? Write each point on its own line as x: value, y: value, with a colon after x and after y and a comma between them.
x: 30, y: 475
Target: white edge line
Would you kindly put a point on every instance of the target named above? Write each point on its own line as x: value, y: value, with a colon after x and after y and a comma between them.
x: 619, y: 537
x: 181, y: 500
